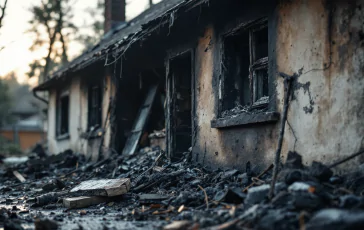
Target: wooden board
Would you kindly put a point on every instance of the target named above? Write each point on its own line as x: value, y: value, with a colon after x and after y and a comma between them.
x: 108, y: 187
x: 19, y: 176
x: 84, y: 201
x: 152, y: 198
x: 141, y: 119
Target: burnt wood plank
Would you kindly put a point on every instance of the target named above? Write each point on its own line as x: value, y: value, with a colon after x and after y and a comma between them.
x: 138, y: 127
x: 84, y: 201
x: 107, y: 187
x: 152, y: 198
x: 245, y: 119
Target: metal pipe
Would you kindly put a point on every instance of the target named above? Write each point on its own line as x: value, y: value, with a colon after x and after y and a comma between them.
x: 38, y: 97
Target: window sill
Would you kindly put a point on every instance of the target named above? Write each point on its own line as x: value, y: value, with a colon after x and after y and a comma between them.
x: 62, y: 137
x: 245, y: 119
x: 92, y: 134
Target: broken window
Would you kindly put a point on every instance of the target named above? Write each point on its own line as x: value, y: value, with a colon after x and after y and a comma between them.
x: 245, y: 66
x: 62, y: 113
x: 94, y: 106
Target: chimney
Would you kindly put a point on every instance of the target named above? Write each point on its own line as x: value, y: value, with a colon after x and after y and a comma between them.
x: 114, y: 14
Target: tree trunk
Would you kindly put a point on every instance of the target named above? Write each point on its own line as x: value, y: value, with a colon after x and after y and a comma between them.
x: 52, y: 38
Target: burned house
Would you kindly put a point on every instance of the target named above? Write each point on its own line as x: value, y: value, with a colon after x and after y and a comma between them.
x: 209, y: 72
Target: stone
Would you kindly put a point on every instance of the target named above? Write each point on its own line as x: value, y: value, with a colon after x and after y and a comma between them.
x: 299, y: 186
x: 231, y: 195
x: 306, y: 201
x: 185, y: 198
x: 336, y: 219
x: 320, y: 171
x: 244, y: 179
x: 219, y: 196
x: 293, y: 161
x: 257, y: 194
x: 293, y: 176
x: 53, y: 185
x: 280, y: 186
x: 278, y: 219
x: 349, y: 201
x: 336, y: 180
x: 231, y: 173
x: 195, y: 182
x: 12, y: 225
x: 282, y: 199
x: 45, y: 224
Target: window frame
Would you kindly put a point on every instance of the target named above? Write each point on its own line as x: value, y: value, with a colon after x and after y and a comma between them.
x: 249, y: 27
x: 61, y: 94
x: 263, y: 112
x: 257, y: 64
x: 90, y: 106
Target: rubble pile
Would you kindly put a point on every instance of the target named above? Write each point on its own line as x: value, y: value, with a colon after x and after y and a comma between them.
x: 178, y: 195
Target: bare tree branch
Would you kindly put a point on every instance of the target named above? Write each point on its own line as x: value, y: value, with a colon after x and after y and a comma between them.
x: 2, y: 12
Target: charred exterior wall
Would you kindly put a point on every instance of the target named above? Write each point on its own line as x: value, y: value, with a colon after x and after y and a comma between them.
x: 321, y: 41
x: 231, y: 147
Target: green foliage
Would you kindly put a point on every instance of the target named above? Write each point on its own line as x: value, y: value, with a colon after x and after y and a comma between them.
x: 8, y: 148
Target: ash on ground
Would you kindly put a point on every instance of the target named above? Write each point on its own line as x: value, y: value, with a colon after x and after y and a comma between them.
x: 180, y: 195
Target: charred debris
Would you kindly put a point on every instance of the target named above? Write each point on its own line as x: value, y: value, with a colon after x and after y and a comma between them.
x: 65, y: 191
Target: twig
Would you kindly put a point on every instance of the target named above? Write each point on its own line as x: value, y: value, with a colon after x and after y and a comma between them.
x: 302, y: 220
x: 256, y: 180
x: 260, y: 175
x: 206, y: 198
x: 265, y: 171
x: 346, y: 159
x: 341, y: 189
x: 248, y: 187
x: 288, y: 83
x: 146, y: 171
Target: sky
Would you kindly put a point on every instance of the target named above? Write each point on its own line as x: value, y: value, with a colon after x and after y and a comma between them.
x: 16, y: 55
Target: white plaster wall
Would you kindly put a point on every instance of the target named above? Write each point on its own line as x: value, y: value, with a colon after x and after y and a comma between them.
x: 51, y: 134
x: 75, y: 117
x: 78, y: 120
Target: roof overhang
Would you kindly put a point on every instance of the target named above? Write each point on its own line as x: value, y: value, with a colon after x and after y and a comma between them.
x: 118, y: 45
